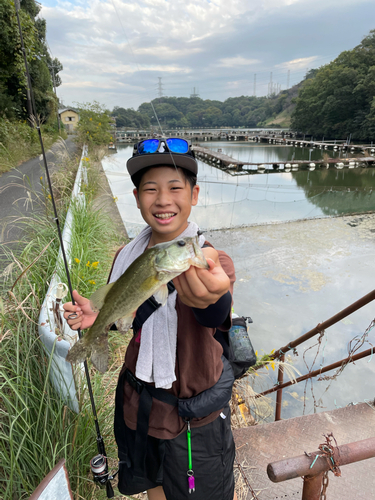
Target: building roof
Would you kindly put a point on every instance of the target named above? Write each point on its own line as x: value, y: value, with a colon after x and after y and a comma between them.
x: 68, y: 109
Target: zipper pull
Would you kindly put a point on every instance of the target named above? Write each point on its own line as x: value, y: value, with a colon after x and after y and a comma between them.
x: 191, y: 481
x: 190, y: 472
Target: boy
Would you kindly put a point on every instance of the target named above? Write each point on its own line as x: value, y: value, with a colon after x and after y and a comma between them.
x: 151, y: 434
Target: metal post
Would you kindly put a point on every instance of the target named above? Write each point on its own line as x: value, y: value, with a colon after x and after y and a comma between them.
x: 312, y: 487
x: 279, y: 393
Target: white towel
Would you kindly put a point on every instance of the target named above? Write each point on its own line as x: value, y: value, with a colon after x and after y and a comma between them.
x: 157, y: 353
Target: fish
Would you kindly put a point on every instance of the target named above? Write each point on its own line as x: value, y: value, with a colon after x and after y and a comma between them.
x: 117, y: 302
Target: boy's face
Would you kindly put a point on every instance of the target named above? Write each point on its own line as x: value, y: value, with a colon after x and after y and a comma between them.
x: 165, y: 199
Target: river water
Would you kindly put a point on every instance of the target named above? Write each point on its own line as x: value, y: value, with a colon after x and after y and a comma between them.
x: 290, y: 277
x: 228, y: 201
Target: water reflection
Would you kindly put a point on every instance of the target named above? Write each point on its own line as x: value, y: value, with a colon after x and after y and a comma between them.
x: 228, y: 201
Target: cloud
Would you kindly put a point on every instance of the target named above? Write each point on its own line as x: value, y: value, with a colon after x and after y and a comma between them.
x: 214, y: 45
x: 301, y: 63
x: 230, y: 62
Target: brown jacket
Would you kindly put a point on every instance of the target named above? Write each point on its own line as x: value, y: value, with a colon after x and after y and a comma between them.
x: 198, y: 367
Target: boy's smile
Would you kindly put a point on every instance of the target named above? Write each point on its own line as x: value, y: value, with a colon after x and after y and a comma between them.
x: 165, y: 199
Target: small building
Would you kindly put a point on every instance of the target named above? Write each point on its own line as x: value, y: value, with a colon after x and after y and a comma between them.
x: 69, y: 117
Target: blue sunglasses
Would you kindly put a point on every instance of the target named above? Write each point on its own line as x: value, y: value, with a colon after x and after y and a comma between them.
x: 173, y: 145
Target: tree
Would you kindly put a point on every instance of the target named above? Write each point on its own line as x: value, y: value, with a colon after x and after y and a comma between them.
x: 337, y: 99
x: 13, y: 84
x: 94, y: 124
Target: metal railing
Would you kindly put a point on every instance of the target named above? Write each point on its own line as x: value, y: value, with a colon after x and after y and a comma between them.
x: 280, y: 353
x: 314, y: 467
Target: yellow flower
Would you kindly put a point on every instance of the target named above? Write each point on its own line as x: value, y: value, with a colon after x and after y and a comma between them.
x: 99, y: 124
x: 115, y: 198
x: 41, y: 177
x: 88, y: 264
x: 92, y: 282
x: 90, y: 119
x: 77, y: 260
x: 273, y: 365
x: 49, y: 197
x: 256, y: 353
x: 95, y: 264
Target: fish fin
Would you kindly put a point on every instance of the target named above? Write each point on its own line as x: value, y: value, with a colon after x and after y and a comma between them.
x: 79, y: 352
x: 100, y: 352
x: 124, y: 324
x: 161, y: 295
x: 97, y: 299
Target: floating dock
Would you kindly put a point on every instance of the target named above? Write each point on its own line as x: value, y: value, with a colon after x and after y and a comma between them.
x: 228, y: 163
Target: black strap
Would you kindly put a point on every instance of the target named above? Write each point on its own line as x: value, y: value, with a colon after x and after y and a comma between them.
x: 147, y: 308
x: 146, y: 393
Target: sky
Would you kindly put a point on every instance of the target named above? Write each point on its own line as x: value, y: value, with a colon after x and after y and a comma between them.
x: 126, y: 52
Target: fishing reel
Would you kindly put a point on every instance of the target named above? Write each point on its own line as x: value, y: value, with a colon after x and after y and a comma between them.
x: 99, y: 469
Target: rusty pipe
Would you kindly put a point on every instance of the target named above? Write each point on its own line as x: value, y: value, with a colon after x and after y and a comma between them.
x: 349, y: 359
x: 326, y: 324
x: 300, y: 466
x: 279, y: 393
x: 312, y: 487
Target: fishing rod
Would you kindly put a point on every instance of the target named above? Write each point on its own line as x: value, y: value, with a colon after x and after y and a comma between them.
x: 98, y: 464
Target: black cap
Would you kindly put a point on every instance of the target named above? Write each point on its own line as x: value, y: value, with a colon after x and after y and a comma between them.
x: 140, y: 161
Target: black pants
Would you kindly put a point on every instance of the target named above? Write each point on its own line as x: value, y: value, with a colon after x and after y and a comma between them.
x: 166, y: 461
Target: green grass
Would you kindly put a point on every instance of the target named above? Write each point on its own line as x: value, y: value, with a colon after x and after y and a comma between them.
x: 36, y: 428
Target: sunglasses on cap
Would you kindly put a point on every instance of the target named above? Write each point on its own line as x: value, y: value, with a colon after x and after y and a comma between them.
x: 171, y: 145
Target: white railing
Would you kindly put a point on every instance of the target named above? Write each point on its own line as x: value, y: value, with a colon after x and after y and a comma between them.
x: 55, y: 334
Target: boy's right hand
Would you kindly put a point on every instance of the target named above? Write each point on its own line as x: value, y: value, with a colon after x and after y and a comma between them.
x: 85, y: 316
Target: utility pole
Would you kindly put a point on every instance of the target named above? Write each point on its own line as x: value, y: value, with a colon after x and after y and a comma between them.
x: 54, y: 86
x: 160, y: 88
x: 255, y: 85
x: 288, y: 79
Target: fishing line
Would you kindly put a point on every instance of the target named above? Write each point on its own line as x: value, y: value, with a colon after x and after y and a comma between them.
x: 34, y: 118
x: 136, y: 63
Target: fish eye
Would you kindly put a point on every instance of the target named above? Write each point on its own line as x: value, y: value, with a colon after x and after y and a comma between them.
x: 181, y: 243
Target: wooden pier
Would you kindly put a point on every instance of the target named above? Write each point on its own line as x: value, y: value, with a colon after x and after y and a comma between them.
x: 220, y: 160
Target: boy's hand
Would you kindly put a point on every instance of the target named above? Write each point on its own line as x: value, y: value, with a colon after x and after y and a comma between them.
x: 85, y: 315
x: 203, y: 287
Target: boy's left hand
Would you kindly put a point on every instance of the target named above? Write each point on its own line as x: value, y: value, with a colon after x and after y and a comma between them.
x: 203, y: 287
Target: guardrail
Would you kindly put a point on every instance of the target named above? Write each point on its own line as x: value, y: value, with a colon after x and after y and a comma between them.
x: 55, y: 334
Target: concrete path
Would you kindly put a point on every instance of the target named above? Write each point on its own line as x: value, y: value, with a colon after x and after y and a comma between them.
x: 13, y: 193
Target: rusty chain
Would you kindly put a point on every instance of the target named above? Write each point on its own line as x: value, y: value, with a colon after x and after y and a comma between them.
x: 323, y: 495
x: 240, y: 468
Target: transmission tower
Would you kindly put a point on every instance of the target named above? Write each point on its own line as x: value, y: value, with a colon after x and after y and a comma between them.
x: 255, y: 85
x: 160, y: 88
x: 270, y: 86
x: 195, y: 93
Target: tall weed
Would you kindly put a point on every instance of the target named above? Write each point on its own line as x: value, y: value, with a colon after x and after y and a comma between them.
x: 36, y: 428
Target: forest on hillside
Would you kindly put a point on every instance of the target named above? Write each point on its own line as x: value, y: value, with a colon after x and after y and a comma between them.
x: 244, y: 111
x: 339, y: 101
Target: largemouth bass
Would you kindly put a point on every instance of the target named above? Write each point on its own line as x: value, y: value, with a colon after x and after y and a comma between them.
x: 118, y: 301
